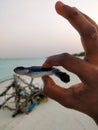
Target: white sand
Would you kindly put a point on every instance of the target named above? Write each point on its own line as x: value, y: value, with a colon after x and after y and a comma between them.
x: 47, y: 116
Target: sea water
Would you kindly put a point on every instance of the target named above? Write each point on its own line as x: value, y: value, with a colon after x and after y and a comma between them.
x: 7, y: 66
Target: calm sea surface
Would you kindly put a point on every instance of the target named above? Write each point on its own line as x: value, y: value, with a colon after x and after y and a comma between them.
x: 7, y: 65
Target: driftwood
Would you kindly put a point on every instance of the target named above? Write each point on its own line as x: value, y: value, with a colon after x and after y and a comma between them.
x: 25, y: 96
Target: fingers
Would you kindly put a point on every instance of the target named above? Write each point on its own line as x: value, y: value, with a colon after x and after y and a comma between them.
x: 67, y: 61
x: 75, y: 65
x: 83, y: 25
x: 70, y: 63
x: 54, y: 60
x: 86, y: 27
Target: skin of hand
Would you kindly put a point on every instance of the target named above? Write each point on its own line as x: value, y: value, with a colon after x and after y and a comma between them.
x: 82, y: 97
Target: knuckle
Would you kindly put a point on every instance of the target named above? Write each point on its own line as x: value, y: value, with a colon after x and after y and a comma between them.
x: 64, y: 55
x: 90, y: 33
x: 73, y: 14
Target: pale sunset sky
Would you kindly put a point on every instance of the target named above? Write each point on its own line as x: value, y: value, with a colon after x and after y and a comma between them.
x: 32, y: 28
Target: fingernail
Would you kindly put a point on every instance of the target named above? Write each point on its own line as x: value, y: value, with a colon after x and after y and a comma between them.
x: 46, y: 65
x: 59, y: 3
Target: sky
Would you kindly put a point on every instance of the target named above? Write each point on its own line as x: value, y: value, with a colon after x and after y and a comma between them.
x: 32, y: 28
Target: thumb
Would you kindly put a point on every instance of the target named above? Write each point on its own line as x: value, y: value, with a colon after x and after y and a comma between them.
x: 48, y: 81
x: 49, y: 85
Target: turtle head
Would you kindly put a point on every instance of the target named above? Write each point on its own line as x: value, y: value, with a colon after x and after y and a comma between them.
x: 21, y: 70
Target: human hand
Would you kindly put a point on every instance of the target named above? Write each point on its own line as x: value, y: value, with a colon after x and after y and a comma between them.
x: 83, y: 96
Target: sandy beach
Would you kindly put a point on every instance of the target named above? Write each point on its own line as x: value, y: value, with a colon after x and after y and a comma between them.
x: 48, y: 116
